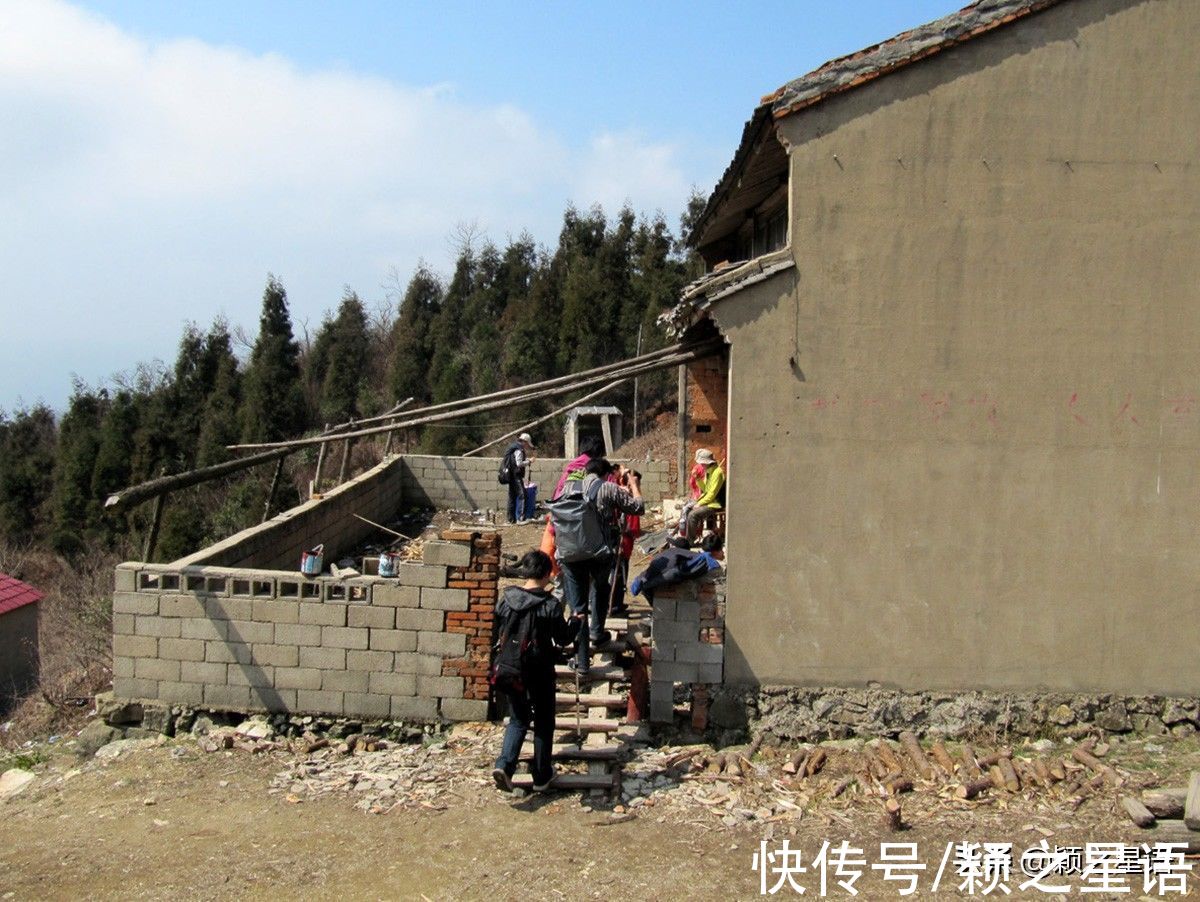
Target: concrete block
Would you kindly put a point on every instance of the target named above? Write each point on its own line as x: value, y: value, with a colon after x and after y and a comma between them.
x: 219, y: 608
x: 126, y: 579
x: 422, y: 575
x: 369, y: 660
x: 135, y: 646
x: 449, y: 554
x: 464, y: 709
x: 268, y: 698
x: 662, y: 704
x: 236, y: 697
x: 153, y: 625
x: 687, y: 611
x: 319, y: 701
x: 664, y: 652
x: 123, y: 624
x: 700, y: 653
x: 358, y: 704
x: 297, y: 634
x: 250, y: 675
x: 134, y: 688
x: 439, y: 686
x: 202, y: 672
x: 227, y: 652
x: 673, y: 672
x: 344, y: 637
x: 391, y: 594
x: 393, y: 640
x: 322, y: 614
x: 181, y: 693
x: 412, y: 662
x: 297, y: 678
x: 180, y: 606
x: 345, y: 680
x: 381, y: 618
x: 210, y: 630
x: 276, y: 611
x: 123, y: 667
x: 393, y: 683
x: 414, y: 708
x: 181, y: 649
x: 670, y: 631
x: 445, y: 599
x: 434, y: 621
x: 250, y: 632
x: 709, y: 673
x: 134, y: 603
x: 154, y: 669
x: 444, y: 644
x: 276, y: 655
x: 323, y: 658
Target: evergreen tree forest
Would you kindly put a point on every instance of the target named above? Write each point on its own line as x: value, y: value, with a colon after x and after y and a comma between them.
x: 505, y: 315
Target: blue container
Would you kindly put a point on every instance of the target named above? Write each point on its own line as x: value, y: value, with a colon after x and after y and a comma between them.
x: 530, y: 501
x: 311, y: 562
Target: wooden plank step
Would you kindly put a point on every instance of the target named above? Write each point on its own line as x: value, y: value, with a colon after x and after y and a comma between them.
x: 570, y: 781
x: 595, y: 675
x: 566, y: 723
x: 571, y: 752
x: 571, y: 700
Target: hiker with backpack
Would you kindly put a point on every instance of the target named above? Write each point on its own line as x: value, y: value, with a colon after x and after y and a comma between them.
x: 586, y: 537
x: 514, y: 472
x: 530, y: 624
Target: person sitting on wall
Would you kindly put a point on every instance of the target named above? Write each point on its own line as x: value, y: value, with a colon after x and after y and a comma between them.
x: 531, y: 620
x: 712, y: 495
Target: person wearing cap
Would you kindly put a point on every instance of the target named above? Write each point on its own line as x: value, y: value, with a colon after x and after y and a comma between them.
x: 712, y: 494
x: 518, y: 477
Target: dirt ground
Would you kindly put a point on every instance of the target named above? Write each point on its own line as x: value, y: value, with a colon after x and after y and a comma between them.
x: 174, y: 821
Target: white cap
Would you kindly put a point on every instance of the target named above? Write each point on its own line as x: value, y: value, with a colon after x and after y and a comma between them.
x: 526, y: 438
x: 704, y: 456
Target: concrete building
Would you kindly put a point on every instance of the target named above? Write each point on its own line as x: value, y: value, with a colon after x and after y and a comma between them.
x: 18, y: 638
x: 958, y: 278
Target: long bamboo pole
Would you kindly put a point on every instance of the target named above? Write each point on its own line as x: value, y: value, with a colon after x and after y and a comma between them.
x: 597, y: 393
x: 648, y: 367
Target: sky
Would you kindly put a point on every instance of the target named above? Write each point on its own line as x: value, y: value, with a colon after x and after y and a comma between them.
x: 159, y: 159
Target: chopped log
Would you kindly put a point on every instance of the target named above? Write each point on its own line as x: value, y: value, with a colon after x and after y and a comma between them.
x: 988, y: 760
x: 1011, y: 781
x: 842, y: 786
x: 997, y: 777
x: 1165, y: 803
x: 970, y: 767
x: 875, y: 767
x: 795, y: 764
x: 732, y: 767
x: 1085, y: 791
x: 887, y: 756
x: 1026, y: 773
x: 1043, y: 771
x: 1138, y: 813
x: 815, y: 762
x: 1083, y: 755
x: 898, y: 785
x: 756, y: 744
x: 891, y: 815
x: 680, y: 757
x: 746, y: 767
x: 1057, y: 771
x: 973, y: 788
x: 1191, y: 805
x: 1172, y: 831
x: 942, y: 757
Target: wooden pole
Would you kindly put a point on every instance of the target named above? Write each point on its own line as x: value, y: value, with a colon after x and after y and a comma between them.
x: 345, y: 461
x: 271, y: 490
x: 681, y: 431
x: 152, y: 534
x: 554, y: 413
x: 320, y: 465
x: 638, y: 353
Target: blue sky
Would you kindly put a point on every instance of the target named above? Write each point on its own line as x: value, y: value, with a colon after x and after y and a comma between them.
x: 160, y: 158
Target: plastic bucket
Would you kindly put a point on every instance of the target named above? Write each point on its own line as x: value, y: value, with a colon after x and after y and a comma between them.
x: 311, y: 563
x: 388, y: 564
x: 530, y: 501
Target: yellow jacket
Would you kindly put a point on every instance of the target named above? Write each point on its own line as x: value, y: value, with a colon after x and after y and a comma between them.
x: 710, y: 491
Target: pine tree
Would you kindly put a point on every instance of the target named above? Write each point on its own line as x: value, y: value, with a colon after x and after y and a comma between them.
x: 27, y: 441
x: 220, y: 427
x: 273, y: 399
x: 344, y: 384
x: 74, y: 508
x: 408, y: 373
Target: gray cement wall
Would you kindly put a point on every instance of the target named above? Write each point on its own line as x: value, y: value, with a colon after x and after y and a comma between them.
x: 469, y: 483
x: 980, y: 472
x: 18, y: 652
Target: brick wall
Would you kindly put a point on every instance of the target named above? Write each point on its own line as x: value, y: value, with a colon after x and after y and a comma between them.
x: 688, y: 636
x: 469, y: 483
x: 268, y: 640
x: 278, y: 543
x: 707, y: 406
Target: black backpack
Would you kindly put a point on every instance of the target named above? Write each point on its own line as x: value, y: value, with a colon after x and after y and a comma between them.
x: 508, y: 465
x: 516, y: 648
x: 580, y: 530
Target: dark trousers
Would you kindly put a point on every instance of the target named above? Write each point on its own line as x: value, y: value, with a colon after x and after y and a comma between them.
x: 533, y: 706
x: 586, y: 589
x: 516, y: 499
x: 620, y: 574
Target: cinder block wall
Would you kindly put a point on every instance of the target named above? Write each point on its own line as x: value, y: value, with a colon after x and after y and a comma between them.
x: 469, y: 483
x: 411, y: 648
x: 688, y: 635
x: 278, y: 543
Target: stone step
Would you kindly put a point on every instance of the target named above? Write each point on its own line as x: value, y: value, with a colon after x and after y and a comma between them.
x: 570, y: 781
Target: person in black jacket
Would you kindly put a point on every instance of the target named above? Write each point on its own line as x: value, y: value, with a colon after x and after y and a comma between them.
x: 531, y: 696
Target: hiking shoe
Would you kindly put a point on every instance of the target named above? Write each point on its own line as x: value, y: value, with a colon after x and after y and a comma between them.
x: 542, y: 787
x: 602, y: 641
x: 502, y: 780
x: 574, y: 667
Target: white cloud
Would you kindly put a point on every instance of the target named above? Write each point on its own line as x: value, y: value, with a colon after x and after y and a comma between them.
x: 143, y: 184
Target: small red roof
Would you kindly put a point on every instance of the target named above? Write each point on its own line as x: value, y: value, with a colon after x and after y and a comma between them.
x: 16, y: 594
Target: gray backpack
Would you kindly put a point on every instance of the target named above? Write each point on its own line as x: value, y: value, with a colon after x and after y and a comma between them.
x: 580, y: 533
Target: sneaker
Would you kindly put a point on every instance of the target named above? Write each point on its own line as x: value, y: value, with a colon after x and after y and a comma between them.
x: 502, y: 780
x: 542, y: 787
x: 602, y: 641
x: 574, y: 667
